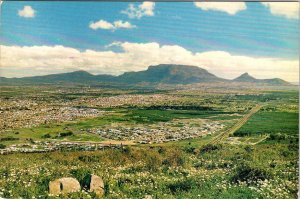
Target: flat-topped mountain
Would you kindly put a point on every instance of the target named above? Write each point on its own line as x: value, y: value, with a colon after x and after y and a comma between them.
x: 170, y: 74
x: 159, y: 74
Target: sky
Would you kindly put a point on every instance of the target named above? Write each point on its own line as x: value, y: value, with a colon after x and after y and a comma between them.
x: 227, y: 39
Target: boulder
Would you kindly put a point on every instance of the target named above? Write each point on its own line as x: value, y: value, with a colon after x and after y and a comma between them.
x: 54, y: 187
x: 63, y: 185
x: 147, y: 197
x: 97, y: 185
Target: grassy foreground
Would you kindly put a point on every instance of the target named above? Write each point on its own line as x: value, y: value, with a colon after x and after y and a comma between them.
x: 174, y: 171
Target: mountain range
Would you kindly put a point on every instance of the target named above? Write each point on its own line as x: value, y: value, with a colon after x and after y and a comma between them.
x: 159, y: 74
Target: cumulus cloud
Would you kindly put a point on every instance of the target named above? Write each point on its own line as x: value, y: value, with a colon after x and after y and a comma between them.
x: 102, y: 24
x: 286, y: 9
x: 115, y: 43
x: 138, y: 56
x: 144, y: 9
x: 27, y: 12
x: 230, y: 8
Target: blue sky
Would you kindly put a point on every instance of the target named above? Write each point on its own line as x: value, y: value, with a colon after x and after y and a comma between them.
x: 255, y: 31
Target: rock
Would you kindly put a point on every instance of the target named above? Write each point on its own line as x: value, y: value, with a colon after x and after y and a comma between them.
x: 63, y: 185
x: 97, y: 185
x: 54, y: 187
x: 147, y: 197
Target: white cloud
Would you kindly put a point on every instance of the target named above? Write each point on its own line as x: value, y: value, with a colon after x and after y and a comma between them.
x: 125, y: 24
x: 40, y: 60
x: 102, y: 24
x: 27, y: 12
x: 229, y: 7
x: 115, y: 43
x: 286, y: 9
x: 144, y: 9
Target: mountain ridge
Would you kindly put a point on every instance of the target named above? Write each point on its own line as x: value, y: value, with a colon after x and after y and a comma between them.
x: 154, y: 74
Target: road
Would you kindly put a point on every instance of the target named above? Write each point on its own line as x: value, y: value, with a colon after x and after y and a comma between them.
x: 237, y: 126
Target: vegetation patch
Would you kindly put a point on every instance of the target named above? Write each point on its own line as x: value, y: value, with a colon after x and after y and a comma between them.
x: 270, y: 123
x: 249, y: 174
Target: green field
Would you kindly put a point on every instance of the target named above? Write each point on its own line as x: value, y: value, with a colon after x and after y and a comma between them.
x: 270, y: 123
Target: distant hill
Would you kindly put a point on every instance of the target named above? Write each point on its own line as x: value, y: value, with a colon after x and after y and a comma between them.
x: 77, y: 77
x: 159, y: 74
x: 245, y: 77
x: 249, y: 79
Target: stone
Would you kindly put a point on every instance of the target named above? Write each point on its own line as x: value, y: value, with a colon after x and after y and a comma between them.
x: 97, y: 185
x: 147, y: 197
x: 64, y: 185
x: 54, y: 187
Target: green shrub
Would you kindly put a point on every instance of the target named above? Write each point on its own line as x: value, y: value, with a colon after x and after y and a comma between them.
x: 209, y: 148
x: 46, y: 136
x: 246, y: 173
x: 126, y: 149
x: 161, y: 150
x: 65, y: 134
x: 83, y: 176
x: 180, y: 186
x: 248, y: 148
x: 286, y: 153
x: 43, y: 184
x: 153, y: 161
x: 2, y: 146
x: 8, y: 139
x: 190, y: 149
x: 122, y: 181
x: 89, y: 158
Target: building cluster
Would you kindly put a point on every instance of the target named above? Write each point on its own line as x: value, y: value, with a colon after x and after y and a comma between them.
x: 46, y: 146
x: 128, y: 100
x: 29, y: 113
x: 30, y: 117
x: 160, y: 134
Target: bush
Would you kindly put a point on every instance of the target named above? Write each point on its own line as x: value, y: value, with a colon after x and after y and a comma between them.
x: 43, y: 182
x: 65, y: 134
x: 286, y: 153
x: 209, y: 148
x: 180, y: 186
x: 278, y: 137
x: 8, y: 139
x: 89, y: 158
x: 190, y: 149
x: 161, y: 150
x: 122, y: 181
x: 153, y: 162
x: 246, y: 173
x: 248, y: 148
x: 126, y: 149
x: 83, y: 176
x: 174, y: 157
x: 2, y: 146
x: 46, y: 136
